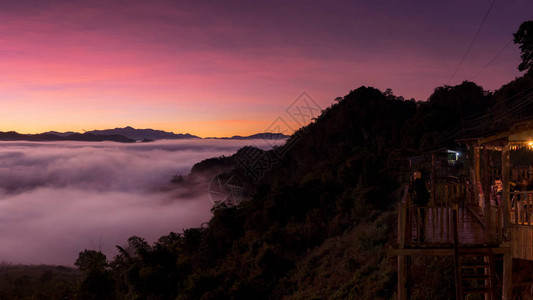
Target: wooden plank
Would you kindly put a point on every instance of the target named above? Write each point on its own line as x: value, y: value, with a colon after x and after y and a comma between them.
x: 401, y: 224
x: 459, y: 292
x: 440, y: 225
x: 519, y: 243
x: 513, y: 240
x: 439, y: 251
x: 492, y: 276
x: 421, y: 252
x: 499, y: 221
x: 518, y: 239
x: 514, y: 243
x: 477, y: 215
x: 449, y: 228
x: 425, y: 224
x: 470, y: 230
x: 507, y: 284
x: 405, y: 197
x: 485, y: 182
x: 501, y: 250
x: 523, y: 242
x: 434, y: 218
x: 418, y: 220
x: 409, y: 223
x: 476, y: 173
x: 446, y: 194
x: 516, y: 210
x: 516, y: 246
x: 402, y: 278
x: 530, y: 243
x: 433, y: 177
x: 506, y: 164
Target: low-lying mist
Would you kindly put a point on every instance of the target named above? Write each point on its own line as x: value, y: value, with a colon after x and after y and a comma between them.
x: 59, y: 198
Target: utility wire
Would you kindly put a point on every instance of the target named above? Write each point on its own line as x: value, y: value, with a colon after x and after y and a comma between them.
x: 492, y: 60
x: 472, y: 43
x: 496, y: 57
x: 487, y: 121
x: 506, y: 105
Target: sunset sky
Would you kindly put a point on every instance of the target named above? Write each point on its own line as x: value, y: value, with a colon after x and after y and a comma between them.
x: 218, y: 68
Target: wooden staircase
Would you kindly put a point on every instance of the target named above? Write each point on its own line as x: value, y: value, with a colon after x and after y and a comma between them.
x: 476, y: 273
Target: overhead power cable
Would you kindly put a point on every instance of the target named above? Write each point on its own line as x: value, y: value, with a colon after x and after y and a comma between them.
x: 492, y: 60
x: 472, y: 43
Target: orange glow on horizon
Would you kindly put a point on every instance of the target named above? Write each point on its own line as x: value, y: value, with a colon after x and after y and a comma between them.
x: 73, y: 66
x: 203, y: 129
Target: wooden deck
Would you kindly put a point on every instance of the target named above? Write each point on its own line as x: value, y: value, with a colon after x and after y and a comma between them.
x: 465, y: 231
x: 438, y: 231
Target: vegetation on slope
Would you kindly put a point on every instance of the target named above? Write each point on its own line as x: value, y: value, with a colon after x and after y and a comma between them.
x: 319, y: 221
x: 38, y: 282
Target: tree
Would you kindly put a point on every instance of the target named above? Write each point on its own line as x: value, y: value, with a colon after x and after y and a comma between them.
x: 90, y: 260
x: 524, y: 37
x: 97, y: 282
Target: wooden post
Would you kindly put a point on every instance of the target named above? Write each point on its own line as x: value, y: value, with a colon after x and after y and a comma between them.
x: 458, y: 290
x: 485, y: 183
x: 433, y: 177
x: 402, y: 278
x: 507, y: 288
x: 402, y: 262
x: 476, y: 173
x: 506, y: 201
x: 401, y: 224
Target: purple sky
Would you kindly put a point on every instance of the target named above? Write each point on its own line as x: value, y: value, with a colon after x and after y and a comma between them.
x: 232, y: 67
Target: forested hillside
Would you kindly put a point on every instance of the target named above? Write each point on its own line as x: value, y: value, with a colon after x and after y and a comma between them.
x: 321, y: 218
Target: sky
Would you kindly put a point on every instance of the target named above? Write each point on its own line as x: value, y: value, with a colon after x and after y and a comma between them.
x: 222, y: 68
x: 59, y: 198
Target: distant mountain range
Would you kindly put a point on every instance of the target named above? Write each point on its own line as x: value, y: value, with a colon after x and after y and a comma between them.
x: 43, y: 137
x: 124, y: 135
x: 264, y: 136
x: 60, y: 133
x: 142, y: 134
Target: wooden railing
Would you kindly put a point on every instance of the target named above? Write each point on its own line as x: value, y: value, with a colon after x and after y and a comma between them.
x: 522, y: 208
x: 429, y: 225
x: 449, y: 193
x: 432, y: 225
x: 423, y: 225
x: 521, y: 220
x: 496, y: 229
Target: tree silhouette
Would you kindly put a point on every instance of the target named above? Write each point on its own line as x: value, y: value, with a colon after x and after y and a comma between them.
x: 97, y: 282
x: 91, y: 260
x: 524, y: 37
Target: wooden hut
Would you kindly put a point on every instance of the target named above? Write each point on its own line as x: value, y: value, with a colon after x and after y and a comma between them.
x: 477, y: 221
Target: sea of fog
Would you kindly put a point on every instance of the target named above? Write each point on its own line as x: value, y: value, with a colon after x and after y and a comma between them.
x: 59, y: 198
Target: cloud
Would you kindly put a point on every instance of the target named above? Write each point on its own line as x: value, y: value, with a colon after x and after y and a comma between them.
x: 59, y: 198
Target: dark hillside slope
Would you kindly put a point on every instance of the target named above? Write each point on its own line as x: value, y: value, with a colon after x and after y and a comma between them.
x: 333, y: 177
x: 364, y: 119
x: 319, y: 219
x: 511, y: 103
x: 439, y: 121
